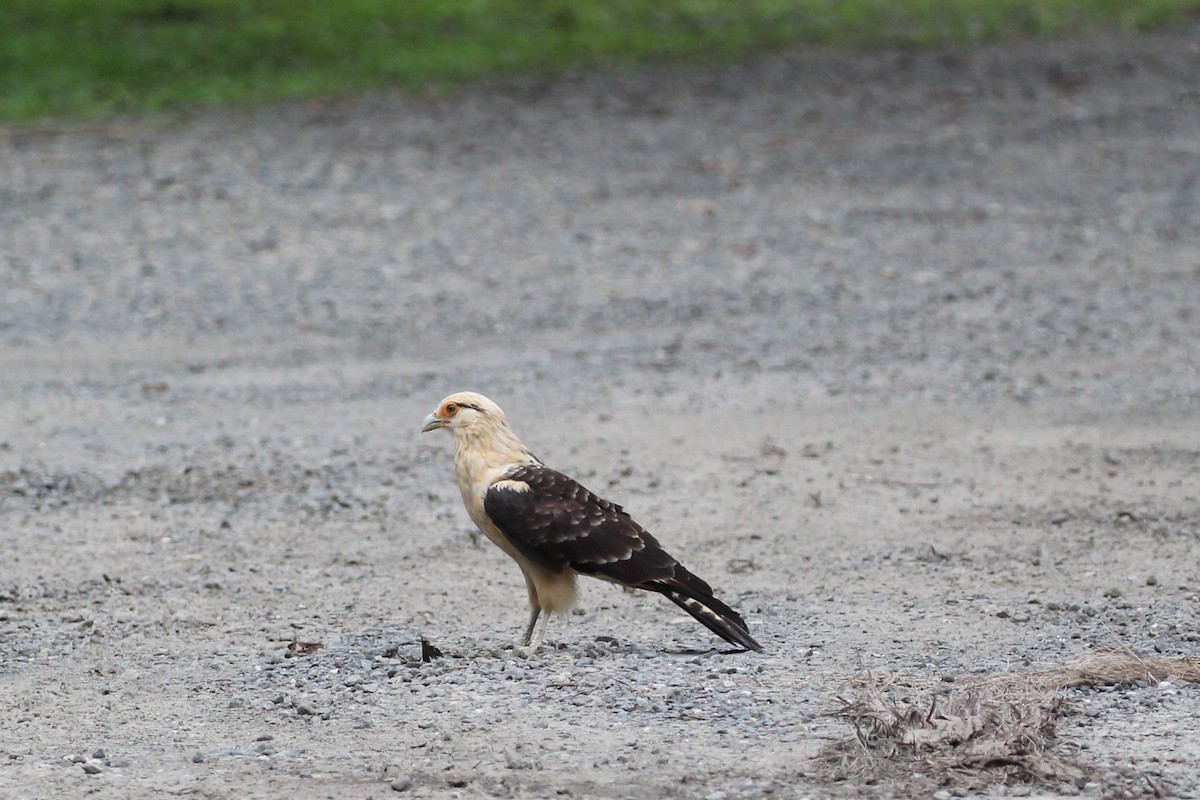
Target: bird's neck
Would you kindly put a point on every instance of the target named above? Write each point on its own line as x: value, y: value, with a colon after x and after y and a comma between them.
x: 481, y: 455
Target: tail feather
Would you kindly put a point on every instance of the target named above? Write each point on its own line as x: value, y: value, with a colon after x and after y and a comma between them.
x: 695, y: 596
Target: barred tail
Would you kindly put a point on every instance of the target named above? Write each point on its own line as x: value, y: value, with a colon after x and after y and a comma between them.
x: 695, y: 597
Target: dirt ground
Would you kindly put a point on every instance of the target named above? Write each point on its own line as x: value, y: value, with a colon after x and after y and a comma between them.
x: 900, y: 351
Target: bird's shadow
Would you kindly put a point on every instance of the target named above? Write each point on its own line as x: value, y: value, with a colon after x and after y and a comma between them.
x: 711, y: 651
x: 618, y: 649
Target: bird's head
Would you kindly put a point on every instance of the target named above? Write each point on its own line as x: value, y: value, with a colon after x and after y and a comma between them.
x: 465, y: 413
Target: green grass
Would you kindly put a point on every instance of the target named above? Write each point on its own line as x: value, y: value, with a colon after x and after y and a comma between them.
x: 93, y: 58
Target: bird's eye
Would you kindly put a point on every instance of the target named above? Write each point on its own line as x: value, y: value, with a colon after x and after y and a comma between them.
x: 451, y: 409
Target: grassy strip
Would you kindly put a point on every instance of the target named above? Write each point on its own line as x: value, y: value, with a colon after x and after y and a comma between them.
x: 89, y: 58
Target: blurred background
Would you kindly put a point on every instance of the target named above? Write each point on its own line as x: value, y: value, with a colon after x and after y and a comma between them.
x: 882, y: 315
x: 77, y: 58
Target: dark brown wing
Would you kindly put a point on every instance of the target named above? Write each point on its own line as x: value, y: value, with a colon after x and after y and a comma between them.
x: 558, y: 523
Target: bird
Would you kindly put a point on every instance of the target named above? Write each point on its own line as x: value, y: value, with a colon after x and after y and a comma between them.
x: 556, y: 529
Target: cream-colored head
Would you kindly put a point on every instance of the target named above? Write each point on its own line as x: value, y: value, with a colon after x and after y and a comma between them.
x: 483, y: 442
x: 467, y: 414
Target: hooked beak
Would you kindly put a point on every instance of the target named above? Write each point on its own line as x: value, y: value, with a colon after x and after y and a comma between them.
x: 432, y: 423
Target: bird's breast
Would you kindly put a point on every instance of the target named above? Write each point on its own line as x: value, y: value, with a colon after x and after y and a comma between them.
x: 474, y: 479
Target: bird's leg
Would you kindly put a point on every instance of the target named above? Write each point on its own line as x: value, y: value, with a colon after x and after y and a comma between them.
x: 539, y: 633
x: 533, y: 618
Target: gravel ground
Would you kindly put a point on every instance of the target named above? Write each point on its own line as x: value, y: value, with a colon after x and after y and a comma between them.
x: 899, y: 351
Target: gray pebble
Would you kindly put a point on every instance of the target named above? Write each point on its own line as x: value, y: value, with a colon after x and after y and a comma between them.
x: 91, y: 769
x: 402, y: 784
x: 99, y: 755
x: 941, y: 794
x: 197, y: 757
x: 118, y: 763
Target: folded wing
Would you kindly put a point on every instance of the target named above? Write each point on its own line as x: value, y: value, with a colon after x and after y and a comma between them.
x: 557, y: 523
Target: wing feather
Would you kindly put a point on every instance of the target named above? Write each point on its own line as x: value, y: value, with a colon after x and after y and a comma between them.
x: 556, y: 522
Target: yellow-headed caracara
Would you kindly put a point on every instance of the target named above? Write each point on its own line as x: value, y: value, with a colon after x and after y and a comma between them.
x: 554, y: 528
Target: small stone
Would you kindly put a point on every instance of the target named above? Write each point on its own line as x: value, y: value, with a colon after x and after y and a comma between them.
x: 942, y: 794
x: 1151, y: 580
x: 119, y: 763
x: 1112, y: 591
x: 197, y: 757
x: 402, y: 784
x: 91, y: 769
x: 98, y: 755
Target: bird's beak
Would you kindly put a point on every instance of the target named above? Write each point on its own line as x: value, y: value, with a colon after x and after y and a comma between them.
x: 432, y: 423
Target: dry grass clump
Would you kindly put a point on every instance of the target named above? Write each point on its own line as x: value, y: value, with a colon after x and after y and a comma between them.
x: 997, y: 728
x: 1009, y: 734
x: 1108, y: 668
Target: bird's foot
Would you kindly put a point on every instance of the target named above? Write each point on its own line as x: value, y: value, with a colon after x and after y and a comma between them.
x: 531, y: 642
x: 527, y: 650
